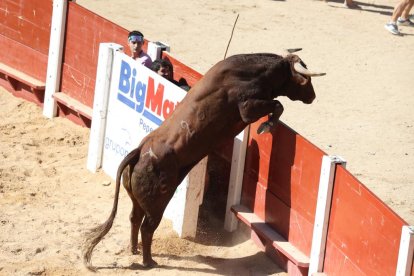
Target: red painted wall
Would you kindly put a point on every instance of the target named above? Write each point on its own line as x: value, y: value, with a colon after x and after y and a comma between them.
x: 364, y: 233
x: 84, y: 32
x: 281, y: 182
x: 24, y: 35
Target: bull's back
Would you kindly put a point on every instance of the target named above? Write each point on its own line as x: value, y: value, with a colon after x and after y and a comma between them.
x: 204, y: 118
x: 208, y: 115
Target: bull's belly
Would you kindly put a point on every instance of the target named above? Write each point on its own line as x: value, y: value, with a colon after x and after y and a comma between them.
x: 191, y: 152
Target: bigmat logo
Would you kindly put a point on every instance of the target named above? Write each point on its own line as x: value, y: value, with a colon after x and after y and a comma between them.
x: 142, y: 96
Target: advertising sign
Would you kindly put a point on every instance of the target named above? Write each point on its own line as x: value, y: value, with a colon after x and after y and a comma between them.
x: 139, y: 101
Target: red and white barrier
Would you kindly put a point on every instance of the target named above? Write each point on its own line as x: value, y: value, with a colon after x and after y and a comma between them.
x: 304, y: 204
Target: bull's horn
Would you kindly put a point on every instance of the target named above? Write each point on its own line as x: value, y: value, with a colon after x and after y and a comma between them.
x: 302, y: 70
x: 293, y: 50
x: 287, y: 52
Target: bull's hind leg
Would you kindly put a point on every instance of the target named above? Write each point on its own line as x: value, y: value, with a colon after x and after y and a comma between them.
x: 147, y: 232
x: 153, y: 187
x: 136, y: 216
x: 154, y: 211
x: 137, y: 213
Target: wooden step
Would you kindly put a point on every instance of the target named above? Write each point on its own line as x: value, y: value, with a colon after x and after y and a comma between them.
x: 14, y: 74
x: 73, y: 104
x: 263, y: 230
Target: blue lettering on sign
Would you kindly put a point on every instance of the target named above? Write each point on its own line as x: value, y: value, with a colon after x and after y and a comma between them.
x: 145, y: 127
x: 115, y: 147
x: 143, y: 97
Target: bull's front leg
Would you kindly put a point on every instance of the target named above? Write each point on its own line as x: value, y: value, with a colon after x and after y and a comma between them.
x: 252, y: 110
x: 273, y: 119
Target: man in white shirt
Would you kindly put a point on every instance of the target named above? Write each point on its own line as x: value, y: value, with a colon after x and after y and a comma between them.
x: 135, y: 42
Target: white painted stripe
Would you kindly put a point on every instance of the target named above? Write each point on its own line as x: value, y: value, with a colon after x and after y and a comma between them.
x: 54, y: 62
x: 323, y: 208
x: 406, y: 253
x: 100, y: 104
x: 236, y: 177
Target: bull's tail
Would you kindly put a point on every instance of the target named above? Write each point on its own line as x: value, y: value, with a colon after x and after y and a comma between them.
x: 96, y: 234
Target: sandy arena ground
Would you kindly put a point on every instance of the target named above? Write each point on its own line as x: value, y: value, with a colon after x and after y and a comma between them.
x: 363, y: 113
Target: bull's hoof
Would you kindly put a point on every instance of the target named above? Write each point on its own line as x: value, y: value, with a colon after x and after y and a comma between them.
x: 133, y: 249
x: 149, y: 264
x: 264, y: 127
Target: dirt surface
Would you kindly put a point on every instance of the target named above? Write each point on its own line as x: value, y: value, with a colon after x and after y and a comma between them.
x: 49, y: 200
x: 363, y: 112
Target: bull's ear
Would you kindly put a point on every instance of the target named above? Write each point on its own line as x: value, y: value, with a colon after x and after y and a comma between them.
x: 299, y: 79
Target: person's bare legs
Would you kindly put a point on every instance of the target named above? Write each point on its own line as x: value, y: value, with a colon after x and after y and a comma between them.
x: 406, y: 12
x: 398, y: 10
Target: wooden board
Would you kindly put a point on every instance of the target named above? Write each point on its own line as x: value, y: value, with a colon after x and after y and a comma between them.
x: 27, y: 22
x: 34, y: 63
x: 21, y: 77
x: 363, y: 234
x: 266, y: 232
x: 85, y: 31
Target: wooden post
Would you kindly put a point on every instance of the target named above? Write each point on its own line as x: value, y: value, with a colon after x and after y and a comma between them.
x: 406, y: 253
x: 236, y: 177
x: 323, y: 208
x: 100, y: 104
x: 54, y: 63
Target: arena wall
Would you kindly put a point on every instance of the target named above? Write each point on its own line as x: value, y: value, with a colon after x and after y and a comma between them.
x: 24, y: 40
x: 364, y: 233
x: 282, y: 173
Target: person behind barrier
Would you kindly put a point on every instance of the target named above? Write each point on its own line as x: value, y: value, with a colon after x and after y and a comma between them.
x: 401, y: 17
x: 135, y: 43
x: 164, y: 68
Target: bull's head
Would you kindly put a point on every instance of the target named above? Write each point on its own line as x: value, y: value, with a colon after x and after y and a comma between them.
x: 300, y: 88
x: 297, y: 87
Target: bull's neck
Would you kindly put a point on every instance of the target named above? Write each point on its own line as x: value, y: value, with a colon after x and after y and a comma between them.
x: 281, y: 75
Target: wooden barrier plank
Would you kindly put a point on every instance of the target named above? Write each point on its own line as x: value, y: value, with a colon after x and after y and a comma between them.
x: 22, y: 85
x: 295, y: 170
x: 280, y: 158
x: 33, y: 64
x: 288, y: 222
x: 85, y: 31
x: 73, y: 104
x: 282, y: 172
x: 363, y: 234
x: 266, y: 232
x: 295, y: 255
x: 27, y: 22
x: 21, y: 77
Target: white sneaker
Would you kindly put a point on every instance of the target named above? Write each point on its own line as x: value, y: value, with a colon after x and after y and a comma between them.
x: 404, y: 22
x: 392, y: 28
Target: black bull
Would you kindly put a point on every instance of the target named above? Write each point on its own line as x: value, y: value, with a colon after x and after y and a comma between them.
x: 234, y: 93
